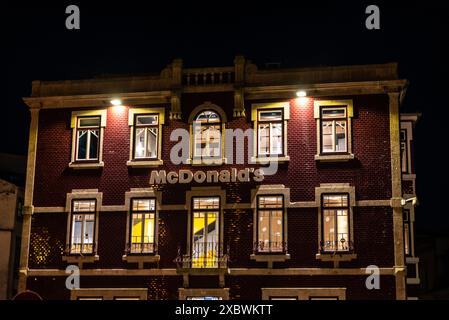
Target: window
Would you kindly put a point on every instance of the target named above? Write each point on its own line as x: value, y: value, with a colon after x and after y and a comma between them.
x: 333, y: 130
x: 146, y: 130
x: 207, y: 135
x: 204, y: 298
x: 270, y: 213
x: 83, y: 226
x: 143, y: 225
x: 205, y: 236
x: 407, y: 232
x: 403, y: 141
x: 270, y: 132
x: 87, y: 138
x: 335, y: 223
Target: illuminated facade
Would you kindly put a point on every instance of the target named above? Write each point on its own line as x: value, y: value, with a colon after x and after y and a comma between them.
x: 219, y: 183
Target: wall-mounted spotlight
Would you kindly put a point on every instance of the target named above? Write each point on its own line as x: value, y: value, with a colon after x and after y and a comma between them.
x: 301, y: 93
x: 116, y: 102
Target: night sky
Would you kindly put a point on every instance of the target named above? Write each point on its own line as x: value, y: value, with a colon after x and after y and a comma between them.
x: 133, y: 39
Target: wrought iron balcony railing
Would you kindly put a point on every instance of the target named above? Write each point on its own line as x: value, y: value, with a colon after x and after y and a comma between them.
x: 203, y: 255
x: 80, y: 249
x: 341, y: 246
x: 140, y: 248
x: 270, y: 247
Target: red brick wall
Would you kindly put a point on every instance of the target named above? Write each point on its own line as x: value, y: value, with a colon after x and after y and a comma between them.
x: 241, y: 287
x: 370, y: 172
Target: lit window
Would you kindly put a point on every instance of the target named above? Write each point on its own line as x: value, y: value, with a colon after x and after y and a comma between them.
x: 204, y: 298
x: 270, y: 132
x: 335, y: 223
x: 407, y: 232
x: 403, y: 140
x: 143, y: 225
x: 270, y: 214
x: 205, y: 239
x: 207, y: 135
x: 87, y: 138
x: 83, y: 226
x: 146, y: 130
x: 333, y: 130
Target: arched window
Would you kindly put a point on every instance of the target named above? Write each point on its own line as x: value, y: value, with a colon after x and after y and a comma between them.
x: 207, y: 135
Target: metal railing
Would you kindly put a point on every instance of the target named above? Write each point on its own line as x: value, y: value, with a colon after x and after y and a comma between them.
x: 270, y: 247
x: 338, y: 246
x: 80, y: 249
x: 140, y: 248
x: 203, y: 255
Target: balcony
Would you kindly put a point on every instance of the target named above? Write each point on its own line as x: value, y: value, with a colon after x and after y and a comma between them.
x: 336, y: 252
x: 141, y: 253
x: 80, y: 253
x: 270, y: 252
x: 204, y: 255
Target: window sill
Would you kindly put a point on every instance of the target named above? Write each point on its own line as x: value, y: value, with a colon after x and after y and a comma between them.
x: 336, y: 257
x: 270, y: 258
x: 144, y: 163
x: 140, y: 259
x: 334, y: 157
x: 207, y: 162
x: 80, y: 259
x: 88, y: 165
x: 263, y: 160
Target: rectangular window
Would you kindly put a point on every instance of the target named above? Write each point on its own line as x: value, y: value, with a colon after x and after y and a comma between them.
x: 146, y: 130
x: 87, y: 138
x: 403, y: 140
x: 83, y: 226
x: 333, y: 130
x: 335, y: 222
x: 407, y: 232
x: 270, y: 132
x: 205, y: 236
x: 143, y: 213
x: 270, y: 229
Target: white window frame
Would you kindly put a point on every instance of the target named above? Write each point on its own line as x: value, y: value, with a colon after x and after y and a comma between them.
x: 133, y: 113
x: 89, y: 135
x: 256, y: 108
x: 76, y: 163
x: 318, y: 105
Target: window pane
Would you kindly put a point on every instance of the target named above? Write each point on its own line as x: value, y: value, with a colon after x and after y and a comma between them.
x: 342, y: 232
x: 328, y: 230
x: 332, y: 113
x: 326, y: 132
x: 270, y: 202
x: 276, y: 230
x: 89, y: 122
x: 93, y: 148
x: 207, y: 140
x: 264, y: 231
x: 147, y: 120
x: 335, y: 200
x: 406, y: 238
x: 139, y: 143
x: 340, y: 136
x: 207, y: 117
x: 272, y: 115
x: 264, y: 138
x: 152, y: 142
x: 143, y: 204
x: 84, y: 206
x: 276, y: 138
x: 82, y: 145
x: 206, y: 203
x: 136, y: 229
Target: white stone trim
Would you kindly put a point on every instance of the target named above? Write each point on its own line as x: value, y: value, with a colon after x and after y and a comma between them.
x: 317, y: 104
x: 143, y: 193
x: 255, y: 107
x: 78, y: 164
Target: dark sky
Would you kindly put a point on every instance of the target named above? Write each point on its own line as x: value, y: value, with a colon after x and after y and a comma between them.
x: 131, y: 38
